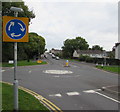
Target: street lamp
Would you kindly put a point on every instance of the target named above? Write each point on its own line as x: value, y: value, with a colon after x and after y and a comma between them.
x: 15, y: 83
x: 104, y: 58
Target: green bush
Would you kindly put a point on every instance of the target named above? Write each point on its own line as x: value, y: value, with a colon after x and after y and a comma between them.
x: 89, y: 59
x: 83, y: 58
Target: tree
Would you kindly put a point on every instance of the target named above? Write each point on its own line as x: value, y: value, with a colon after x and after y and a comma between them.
x: 97, y: 47
x: 7, y: 12
x: 70, y: 45
x: 35, y: 46
x: 7, y: 47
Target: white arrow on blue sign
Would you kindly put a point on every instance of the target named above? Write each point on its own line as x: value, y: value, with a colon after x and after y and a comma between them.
x: 15, y: 29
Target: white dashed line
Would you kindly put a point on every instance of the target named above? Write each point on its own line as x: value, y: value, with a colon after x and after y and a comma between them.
x: 56, y: 95
x: 89, y: 91
x: 72, y: 93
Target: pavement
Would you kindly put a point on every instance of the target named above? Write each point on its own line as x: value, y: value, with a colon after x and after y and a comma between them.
x: 78, y: 87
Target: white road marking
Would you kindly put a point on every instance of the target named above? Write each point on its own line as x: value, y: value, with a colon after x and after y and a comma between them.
x: 72, y: 93
x: 58, y: 72
x: 89, y: 91
x: 30, y: 71
x: 56, y: 95
x: 92, y: 91
x: 66, y: 76
x: 3, y: 71
x: 96, y: 91
x: 107, y: 97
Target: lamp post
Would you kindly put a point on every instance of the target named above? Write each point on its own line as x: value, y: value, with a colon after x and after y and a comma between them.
x: 15, y: 83
x: 104, y: 58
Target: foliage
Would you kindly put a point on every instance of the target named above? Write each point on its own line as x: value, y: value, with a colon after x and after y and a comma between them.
x: 97, y: 47
x: 7, y: 51
x: 35, y: 46
x: 115, y: 69
x: 26, y: 50
x: 7, y: 12
x: 7, y: 47
x: 83, y: 58
x: 70, y: 45
x: 111, y: 54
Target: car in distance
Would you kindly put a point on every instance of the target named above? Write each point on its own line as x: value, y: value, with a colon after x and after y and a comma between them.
x: 53, y: 56
x: 57, y: 58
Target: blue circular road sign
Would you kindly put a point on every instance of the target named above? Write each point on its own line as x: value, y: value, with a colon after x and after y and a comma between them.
x: 15, y: 29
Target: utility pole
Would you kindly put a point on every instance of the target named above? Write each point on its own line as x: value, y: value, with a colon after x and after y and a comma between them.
x: 104, y: 58
x: 15, y: 83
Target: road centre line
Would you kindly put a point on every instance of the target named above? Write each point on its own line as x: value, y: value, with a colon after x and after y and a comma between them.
x: 72, y: 93
x: 55, y: 95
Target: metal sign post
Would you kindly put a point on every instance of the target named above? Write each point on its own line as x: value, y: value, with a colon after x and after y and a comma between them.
x: 15, y: 83
x: 15, y: 29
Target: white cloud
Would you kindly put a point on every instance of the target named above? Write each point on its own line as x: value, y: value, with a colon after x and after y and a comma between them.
x: 57, y: 21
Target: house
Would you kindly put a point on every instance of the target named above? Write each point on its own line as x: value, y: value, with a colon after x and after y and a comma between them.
x: 91, y: 53
x: 55, y: 51
x: 117, y: 50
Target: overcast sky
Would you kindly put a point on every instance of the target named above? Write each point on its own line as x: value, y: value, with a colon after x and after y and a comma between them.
x: 96, y: 21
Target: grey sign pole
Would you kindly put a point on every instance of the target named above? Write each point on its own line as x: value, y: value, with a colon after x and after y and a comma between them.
x: 15, y: 83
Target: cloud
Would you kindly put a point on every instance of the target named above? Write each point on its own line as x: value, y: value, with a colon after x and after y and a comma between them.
x: 57, y: 21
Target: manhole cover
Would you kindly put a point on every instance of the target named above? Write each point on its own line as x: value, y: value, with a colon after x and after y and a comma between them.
x: 58, y: 72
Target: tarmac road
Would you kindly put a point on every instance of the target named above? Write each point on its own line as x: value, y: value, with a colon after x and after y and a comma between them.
x: 77, y: 87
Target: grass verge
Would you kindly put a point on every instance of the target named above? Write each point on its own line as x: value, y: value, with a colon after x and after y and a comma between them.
x: 115, y: 69
x: 26, y: 101
x: 23, y: 63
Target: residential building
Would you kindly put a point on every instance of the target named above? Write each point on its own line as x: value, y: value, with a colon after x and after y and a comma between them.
x: 55, y: 51
x: 117, y: 50
x: 91, y: 53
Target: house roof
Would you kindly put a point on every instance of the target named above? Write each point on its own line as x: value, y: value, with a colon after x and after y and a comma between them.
x: 89, y: 51
x: 117, y: 44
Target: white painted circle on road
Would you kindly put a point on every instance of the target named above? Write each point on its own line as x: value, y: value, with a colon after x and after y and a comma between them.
x: 58, y: 72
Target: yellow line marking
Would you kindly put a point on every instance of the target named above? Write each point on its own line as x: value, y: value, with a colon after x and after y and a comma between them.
x: 39, y: 97
x: 49, y: 106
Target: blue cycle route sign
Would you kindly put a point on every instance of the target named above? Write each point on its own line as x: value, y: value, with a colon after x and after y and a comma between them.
x: 15, y: 29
